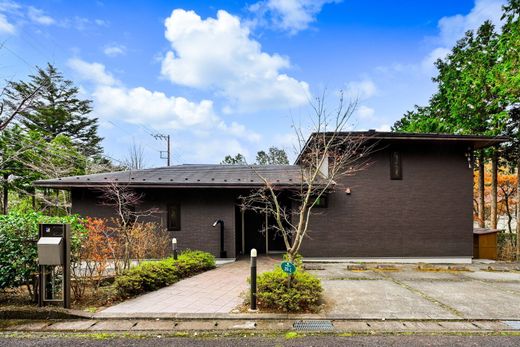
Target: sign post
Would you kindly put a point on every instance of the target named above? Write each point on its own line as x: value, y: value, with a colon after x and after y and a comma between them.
x: 288, y: 267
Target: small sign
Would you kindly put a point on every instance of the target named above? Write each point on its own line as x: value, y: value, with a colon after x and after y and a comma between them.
x: 288, y: 267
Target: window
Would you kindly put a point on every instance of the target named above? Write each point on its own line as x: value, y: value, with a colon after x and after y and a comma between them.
x: 174, y: 217
x: 396, y: 170
x: 321, y: 202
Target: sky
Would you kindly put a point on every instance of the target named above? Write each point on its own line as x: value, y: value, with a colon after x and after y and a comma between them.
x: 227, y: 77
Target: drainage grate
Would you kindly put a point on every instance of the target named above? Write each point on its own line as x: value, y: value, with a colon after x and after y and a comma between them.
x: 514, y: 324
x: 313, y: 325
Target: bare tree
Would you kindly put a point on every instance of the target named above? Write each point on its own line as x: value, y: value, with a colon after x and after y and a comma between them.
x: 326, y: 156
x: 11, y: 106
x: 135, y: 159
x: 126, y: 203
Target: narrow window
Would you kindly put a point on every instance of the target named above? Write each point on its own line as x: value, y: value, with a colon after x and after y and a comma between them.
x: 321, y: 202
x: 396, y: 170
x: 174, y: 217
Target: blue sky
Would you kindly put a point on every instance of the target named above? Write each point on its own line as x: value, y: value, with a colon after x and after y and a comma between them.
x: 223, y: 77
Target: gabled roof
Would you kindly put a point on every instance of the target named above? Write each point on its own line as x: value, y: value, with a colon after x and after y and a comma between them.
x: 187, y: 176
x: 474, y: 141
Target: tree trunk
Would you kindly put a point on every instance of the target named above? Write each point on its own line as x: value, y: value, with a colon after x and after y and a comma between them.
x: 6, y: 193
x: 481, y: 206
x: 494, y: 183
x: 518, y: 209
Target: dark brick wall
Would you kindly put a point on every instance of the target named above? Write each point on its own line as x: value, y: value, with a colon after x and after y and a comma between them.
x: 199, y: 209
x: 427, y: 213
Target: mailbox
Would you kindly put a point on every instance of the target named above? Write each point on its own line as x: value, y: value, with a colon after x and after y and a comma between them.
x: 50, y: 250
x: 54, y: 264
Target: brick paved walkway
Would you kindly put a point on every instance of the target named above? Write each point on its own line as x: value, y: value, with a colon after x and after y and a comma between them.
x: 215, y: 291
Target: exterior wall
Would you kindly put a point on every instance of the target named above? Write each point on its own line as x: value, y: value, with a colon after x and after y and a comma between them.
x: 199, y: 209
x: 426, y: 214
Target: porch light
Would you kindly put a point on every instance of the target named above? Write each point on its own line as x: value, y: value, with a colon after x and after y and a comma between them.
x: 347, y: 191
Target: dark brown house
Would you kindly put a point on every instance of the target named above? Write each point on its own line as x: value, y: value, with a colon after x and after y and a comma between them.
x: 414, y: 202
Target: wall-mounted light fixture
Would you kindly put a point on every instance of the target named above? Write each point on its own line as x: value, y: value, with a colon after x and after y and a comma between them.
x: 347, y: 191
x: 469, y: 157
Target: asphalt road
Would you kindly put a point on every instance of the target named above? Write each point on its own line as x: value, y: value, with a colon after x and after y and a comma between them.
x: 452, y: 341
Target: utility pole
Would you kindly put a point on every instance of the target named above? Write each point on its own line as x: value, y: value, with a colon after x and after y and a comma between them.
x: 167, y: 152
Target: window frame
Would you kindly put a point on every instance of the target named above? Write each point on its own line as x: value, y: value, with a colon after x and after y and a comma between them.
x: 169, y: 208
x: 323, y: 202
x: 396, y: 165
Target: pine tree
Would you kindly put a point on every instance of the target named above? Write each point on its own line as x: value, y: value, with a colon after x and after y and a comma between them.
x: 58, y: 109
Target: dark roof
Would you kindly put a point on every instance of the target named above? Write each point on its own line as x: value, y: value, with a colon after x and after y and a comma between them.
x: 475, y: 141
x: 186, y: 176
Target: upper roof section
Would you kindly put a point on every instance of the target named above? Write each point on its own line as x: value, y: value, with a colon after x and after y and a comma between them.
x: 187, y: 176
x: 245, y: 176
x: 473, y: 141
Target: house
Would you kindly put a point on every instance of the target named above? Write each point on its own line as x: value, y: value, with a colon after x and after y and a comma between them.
x: 414, y: 202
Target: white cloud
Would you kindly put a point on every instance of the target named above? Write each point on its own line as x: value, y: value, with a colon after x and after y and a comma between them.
x: 453, y: 28
x: 139, y: 105
x: 142, y: 106
x: 384, y: 127
x: 93, y: 72
x: 289, y: 15
x: 361, y: 90
x: 214, y: 150
x: 114, y: 50
x: 427, y: 63
x: 239, y: 130
x: 365, y: 112
x: 5, y: 26
x: 218, y: 54
x: 39, y: 17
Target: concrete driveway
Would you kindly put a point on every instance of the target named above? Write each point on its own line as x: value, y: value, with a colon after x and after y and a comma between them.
x: 406, y: 292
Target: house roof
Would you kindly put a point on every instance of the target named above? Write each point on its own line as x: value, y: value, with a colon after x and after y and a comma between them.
x: 187, y: 176
x: 475, y: 141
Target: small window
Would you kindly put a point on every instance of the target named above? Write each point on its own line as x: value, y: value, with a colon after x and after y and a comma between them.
x: 396, y: 170
x: 174, y: 217
x: 321, y: 202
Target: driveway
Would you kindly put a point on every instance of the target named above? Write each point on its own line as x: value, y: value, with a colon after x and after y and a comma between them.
x: 215, y: 291
x: 368, y: 291
x: 407, y: 292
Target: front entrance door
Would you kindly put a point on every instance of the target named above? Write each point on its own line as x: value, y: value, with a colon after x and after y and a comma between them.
x: 251, y: 232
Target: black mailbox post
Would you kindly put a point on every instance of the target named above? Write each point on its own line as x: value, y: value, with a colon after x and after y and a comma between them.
x: 54, y: 264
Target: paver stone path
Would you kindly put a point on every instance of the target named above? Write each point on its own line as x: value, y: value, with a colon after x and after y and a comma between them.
x: 215, y: 291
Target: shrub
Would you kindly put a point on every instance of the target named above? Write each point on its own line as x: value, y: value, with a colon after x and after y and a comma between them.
x: 18, y: 236
x: 274, y: 293
x: 153, y: 275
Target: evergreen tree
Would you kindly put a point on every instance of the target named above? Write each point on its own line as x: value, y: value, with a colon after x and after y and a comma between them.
x: 274, y: 156
x: 58, y: 109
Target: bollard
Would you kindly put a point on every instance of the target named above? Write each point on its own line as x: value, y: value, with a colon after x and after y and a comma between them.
x: 253, y: 280
x: 174, y: 247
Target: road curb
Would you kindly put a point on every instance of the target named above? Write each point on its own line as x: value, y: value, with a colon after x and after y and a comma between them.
x: 173, y: 326
x: 39, y: 313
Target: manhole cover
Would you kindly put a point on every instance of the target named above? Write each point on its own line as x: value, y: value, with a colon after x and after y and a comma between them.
x: 514, y: 324
x: 313, y: 325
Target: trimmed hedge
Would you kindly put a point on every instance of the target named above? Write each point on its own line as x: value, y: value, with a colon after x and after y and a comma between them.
x: 274, y: 293
x: 152, y: 275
